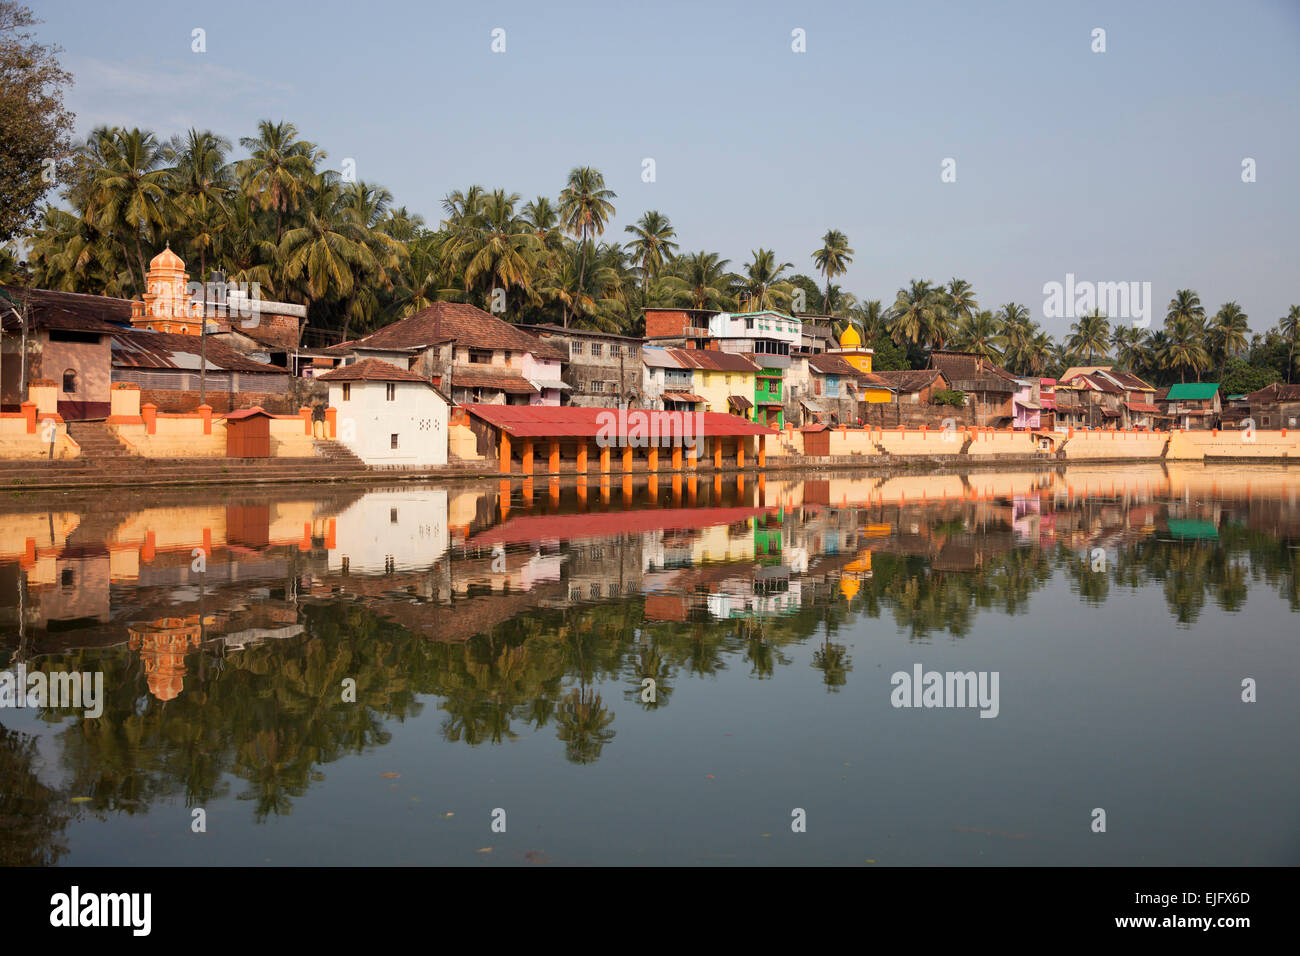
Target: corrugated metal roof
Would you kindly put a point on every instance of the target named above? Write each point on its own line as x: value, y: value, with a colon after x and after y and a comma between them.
x: 571, y: 421
x: 1192, y: 391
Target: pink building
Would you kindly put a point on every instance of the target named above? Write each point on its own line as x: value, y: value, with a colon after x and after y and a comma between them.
x: 543, y: 373
x: 1027, y: 405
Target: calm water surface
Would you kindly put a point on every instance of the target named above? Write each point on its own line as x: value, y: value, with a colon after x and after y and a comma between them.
x: 499, y: 641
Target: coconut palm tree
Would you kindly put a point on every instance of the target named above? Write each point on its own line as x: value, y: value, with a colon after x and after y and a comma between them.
x: 978, y: 333
x: 585, y: 208
x: 962, y: 304
x: 700, y: 280
x: 1227, y: 333
x: 833, y: 258
x: 1090, y: 335
x: 278, y: 169
x: 129, y: 188
x: 494, y: 247
x: 326, y: 248
x: 1182, y: 349
x: 919, y: 316
x: 1289, y: 328
x: 1185, y: 304
x: 1129, y: 345
x: 654, y: 244
x: 200, y: 184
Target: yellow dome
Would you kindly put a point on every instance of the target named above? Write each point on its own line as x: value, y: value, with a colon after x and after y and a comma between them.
x: 850, y: 338
x: 167, y: 261
x: 849, y: 588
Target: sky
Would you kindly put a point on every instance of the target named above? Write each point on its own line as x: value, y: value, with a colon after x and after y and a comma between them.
x: 1117, y: 166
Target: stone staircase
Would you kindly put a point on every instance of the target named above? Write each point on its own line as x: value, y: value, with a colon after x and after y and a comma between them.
x: 97, y: 441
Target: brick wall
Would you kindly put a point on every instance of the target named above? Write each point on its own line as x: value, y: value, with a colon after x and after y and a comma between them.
x: 221, y: 402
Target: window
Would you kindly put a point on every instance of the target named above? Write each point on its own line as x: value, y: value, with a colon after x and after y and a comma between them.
x: 66, y: 578
x: 70, y: 382
x: 575, y: 348
x: 480, y: 356
x: 347, y: 391
x: 392, y: 516
x: 596, y: 350
x: 728, y: 379
x: 392, y: 441
x: 597, y: 387
x: 392, y: 392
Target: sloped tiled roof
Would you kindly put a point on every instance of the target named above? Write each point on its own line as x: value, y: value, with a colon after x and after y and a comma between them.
x: 1130, y: 382
x: 511, y: 382
x: 910, y: 380
x: 832, y: 364
x: 466, y: 325
x: 163, y: 350
x: 371, y: 370
x: 958, y: 367
x: 713, y: 361
x: 1277, y: 392
x: 576, y: 421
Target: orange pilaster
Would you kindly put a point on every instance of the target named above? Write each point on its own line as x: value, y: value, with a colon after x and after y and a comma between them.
x: 740, y: 453
x: 604, y: 460
x: 528, y: 458
x: 554, y: 465
x: 505, y: 454
x: 627, y: 459
x: 652, y: 458
x: 717, y: 454
x: 677, y: 457
x: 582, y: 457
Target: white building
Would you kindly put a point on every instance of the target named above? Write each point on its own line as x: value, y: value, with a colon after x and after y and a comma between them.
x: 387, y: 415
x: 385, y: 532
x: 764, y: 333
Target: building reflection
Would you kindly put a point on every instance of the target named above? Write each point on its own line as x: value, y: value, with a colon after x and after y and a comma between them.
x: 171, y: 577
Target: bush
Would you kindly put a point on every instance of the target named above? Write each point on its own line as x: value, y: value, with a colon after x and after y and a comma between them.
x: 948, y: 396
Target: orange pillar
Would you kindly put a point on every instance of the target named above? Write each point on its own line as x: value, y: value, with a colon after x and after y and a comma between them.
x: 627, y: 459
x: 582, y: 457
x: 503, y: 498
x: 554, y: 464
x: 604, y: 460
x: 305, y: 414
x: 528, y: 457
x: 717, y: 454
x: 762, y: 453
x: 677, y: 457
x: 505, y: 454
x: 332, y: 422
x: 740, y: 452
x: 693, y: 459
x: 652, y: 458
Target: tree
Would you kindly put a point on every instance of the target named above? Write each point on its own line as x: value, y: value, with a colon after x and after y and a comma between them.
x: 654, y: 244
x: 1090, y: 336
x: 978, y: 333
x: 278, y: 169
x: 35, y: 129
x: 962, y: 304
x: 700, y: 280
x: 833, y: 258
x: 129, y: 187
x: 920, y: 316
x: 1289, y: 327
x: 585, y: 208
x: 1227, y: 333
x: 200, y: 182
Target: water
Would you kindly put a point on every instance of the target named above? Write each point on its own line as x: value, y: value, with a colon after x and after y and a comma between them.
x: 499, y: 641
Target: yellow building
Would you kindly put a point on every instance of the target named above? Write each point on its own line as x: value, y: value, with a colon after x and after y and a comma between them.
x: 725, y: 380
x: 853, y: 352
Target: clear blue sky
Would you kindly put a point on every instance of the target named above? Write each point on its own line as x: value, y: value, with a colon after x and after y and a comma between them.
x: 1123, y: 165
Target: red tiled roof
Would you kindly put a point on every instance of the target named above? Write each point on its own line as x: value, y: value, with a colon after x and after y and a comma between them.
x: 510, y: 382
x: 466, y: 325
x: 1131, y: 382
x: 713, y: 361
x: 681, y: 397
x: 529, y: 528
x: 572, y: 421
x: 1143, y: 408
x: 371, y: 370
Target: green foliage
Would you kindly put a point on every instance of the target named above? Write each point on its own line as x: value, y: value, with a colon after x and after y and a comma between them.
x: 1241, y: 378
x: 949, y: 396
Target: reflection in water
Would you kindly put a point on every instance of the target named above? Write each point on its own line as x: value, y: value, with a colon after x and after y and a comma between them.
x: 227, y: 631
